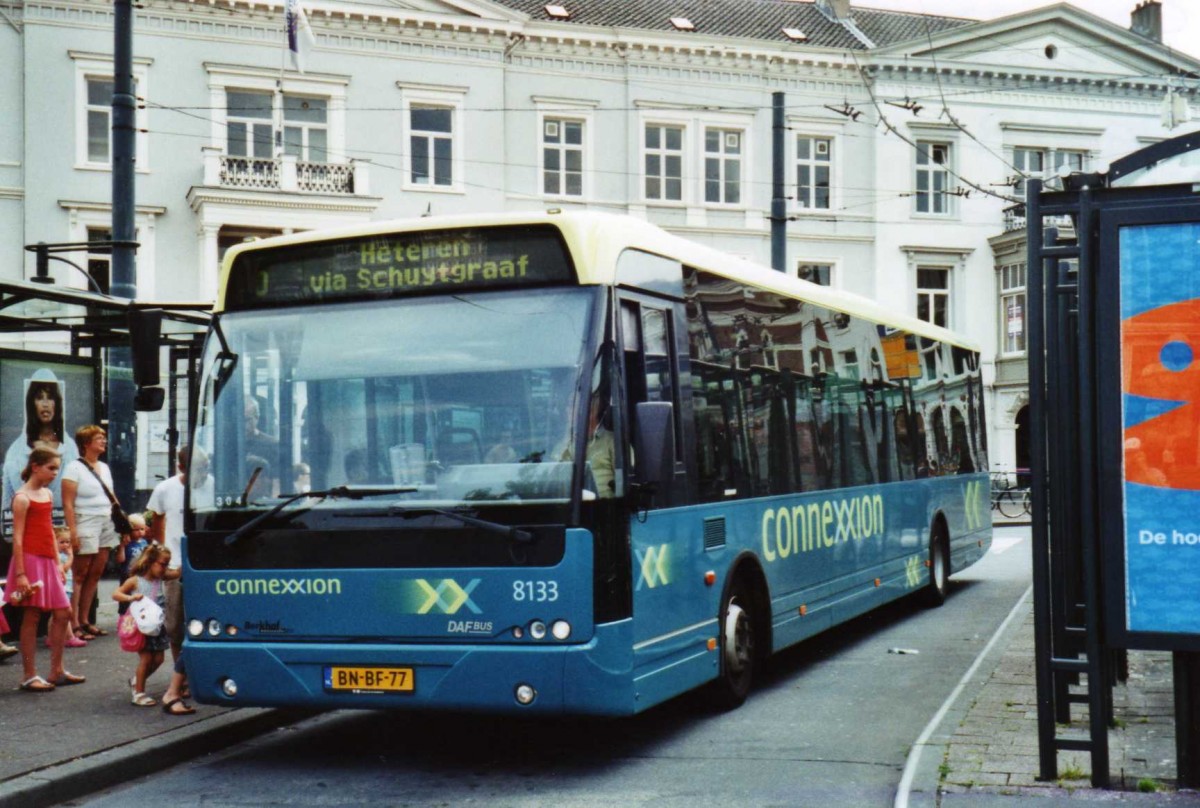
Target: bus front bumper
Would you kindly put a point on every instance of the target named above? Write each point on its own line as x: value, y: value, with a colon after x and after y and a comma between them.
x: 590, y: 678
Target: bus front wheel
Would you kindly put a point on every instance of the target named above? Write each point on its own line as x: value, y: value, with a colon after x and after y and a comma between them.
x: 939, y: 568
x: 737, y: 648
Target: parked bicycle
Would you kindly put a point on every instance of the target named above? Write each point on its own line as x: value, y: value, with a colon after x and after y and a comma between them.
x: 1007, y: 497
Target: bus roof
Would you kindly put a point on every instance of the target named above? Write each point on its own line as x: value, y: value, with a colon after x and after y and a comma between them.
x: 596, y: 240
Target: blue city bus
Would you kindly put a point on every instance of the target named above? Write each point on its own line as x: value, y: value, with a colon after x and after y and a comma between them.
x: 556, y: 463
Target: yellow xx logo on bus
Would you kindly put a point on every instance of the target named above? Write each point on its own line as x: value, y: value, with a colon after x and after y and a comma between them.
x: 973, y: 504
x: 656, y: 565
x: 912, y: 572
x: 440, y: 597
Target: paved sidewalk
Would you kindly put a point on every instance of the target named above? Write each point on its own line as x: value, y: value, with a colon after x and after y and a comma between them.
x: 75, y: 740
x: 985, y: 751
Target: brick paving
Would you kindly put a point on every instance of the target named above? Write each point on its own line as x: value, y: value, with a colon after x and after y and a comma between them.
x: 994, y: 750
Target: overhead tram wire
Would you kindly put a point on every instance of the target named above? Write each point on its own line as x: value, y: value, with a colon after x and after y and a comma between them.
x: 846, y: 190
x: 891, y: 128
x: 950, y: 116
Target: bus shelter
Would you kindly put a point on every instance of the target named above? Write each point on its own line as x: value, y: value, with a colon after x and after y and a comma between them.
x: 77, y: 327
x: 1113, y: 307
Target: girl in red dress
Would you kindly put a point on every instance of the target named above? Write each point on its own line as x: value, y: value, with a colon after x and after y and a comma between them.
x: 35, y: 580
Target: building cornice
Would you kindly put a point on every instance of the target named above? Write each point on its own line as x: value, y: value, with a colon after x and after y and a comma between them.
x: 198, y: 196
x: 1079, y: 131
x: 106, y: 207
x: 394, y: 32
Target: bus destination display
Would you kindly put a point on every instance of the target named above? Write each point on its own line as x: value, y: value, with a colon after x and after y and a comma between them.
x: 399, y: 264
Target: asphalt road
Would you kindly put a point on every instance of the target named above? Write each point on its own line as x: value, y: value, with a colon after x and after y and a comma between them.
x: 830, y: 725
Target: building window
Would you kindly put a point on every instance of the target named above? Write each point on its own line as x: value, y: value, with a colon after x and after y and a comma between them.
x: 820, y: 274
x: 99, y: 263
x: 814, y: 156
x: 1012, y: 308
x: 933, y: 295
x: 250, y: 124
x: 306, y: 128
x: 1034, y: 163
x: 93, y: 88
x: 723, y: 166
x: 431, y: 145
x: 933, y: 177
x: 663, y: 159
x: 562, y: 157
x: 99, y: 120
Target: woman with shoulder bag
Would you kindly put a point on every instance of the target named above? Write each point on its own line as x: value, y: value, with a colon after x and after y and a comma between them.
x: 90, y: 509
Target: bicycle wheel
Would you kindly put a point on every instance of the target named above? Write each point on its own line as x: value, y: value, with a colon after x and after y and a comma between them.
x: 1027, y: 503
x: 1009, y: 504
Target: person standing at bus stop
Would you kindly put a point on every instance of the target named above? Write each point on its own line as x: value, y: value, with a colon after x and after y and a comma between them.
x: 35, y: 581
x: 88, y: 510
x: 166, y: 527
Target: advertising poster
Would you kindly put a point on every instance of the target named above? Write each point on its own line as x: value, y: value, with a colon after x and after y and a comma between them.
x: 42, y: 403
x: 1160, y: 370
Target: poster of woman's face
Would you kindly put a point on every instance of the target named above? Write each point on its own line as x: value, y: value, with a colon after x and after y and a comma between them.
x: 43, y: 400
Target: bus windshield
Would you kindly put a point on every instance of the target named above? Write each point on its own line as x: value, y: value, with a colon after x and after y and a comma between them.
x: 462, y: 400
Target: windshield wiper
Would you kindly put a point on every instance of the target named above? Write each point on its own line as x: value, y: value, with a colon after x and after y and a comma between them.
x: 337, y: 492
x: 514, y: 533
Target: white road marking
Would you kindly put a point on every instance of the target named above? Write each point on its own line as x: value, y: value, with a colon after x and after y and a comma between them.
x: 914, y: 755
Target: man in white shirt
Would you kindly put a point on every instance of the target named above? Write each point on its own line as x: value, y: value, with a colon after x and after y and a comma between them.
x: 166, y: 526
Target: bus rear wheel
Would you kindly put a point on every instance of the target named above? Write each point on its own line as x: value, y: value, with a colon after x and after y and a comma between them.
x: 939, y: 568
x: 739, y: 654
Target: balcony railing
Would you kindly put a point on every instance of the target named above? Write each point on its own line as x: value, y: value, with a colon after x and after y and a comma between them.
x: 1014, y: 219
x: 285, y: 173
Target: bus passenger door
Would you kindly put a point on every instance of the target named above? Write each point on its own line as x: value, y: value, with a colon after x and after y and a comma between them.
x: 667, y: 592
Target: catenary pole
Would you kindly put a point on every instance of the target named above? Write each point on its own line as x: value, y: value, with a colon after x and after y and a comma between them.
x: 778, y: 201
x: 122, y: 445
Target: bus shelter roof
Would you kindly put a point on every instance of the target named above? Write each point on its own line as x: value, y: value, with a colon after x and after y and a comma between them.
x: 93, y: 319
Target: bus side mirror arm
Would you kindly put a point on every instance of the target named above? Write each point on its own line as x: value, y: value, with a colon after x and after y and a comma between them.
x: 654, y: 448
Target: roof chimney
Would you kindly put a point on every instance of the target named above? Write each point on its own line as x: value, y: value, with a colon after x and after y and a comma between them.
x: 1146, y: 20
x: 837, y: 10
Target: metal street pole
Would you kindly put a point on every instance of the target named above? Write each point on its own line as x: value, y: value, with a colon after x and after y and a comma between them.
x: 122, y: 445
x: 778, y: 200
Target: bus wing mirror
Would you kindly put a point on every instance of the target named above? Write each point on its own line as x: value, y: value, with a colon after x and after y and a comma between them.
x: 149, y: 399
x: 145, y: 329
x: 655, y: 448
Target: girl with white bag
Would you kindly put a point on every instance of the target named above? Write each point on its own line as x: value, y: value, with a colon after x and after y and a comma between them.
x: 143, y: 590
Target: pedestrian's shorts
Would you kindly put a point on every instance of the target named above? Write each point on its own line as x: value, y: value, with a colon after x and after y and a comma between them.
x: 95, y: 530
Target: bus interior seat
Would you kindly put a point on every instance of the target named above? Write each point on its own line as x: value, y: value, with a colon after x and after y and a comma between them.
x: 457, y: 445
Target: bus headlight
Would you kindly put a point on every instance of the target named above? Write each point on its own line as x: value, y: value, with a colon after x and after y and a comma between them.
x: 561, y: 629
x: 214, y: 627
x: 229, y: 687
x: 195, y: 627
x: 537, y: 629
x: 525, y: 694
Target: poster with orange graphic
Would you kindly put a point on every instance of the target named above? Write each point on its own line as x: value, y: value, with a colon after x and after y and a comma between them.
x: 1160, y: 385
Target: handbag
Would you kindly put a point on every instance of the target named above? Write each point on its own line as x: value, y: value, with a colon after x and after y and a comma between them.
x: 147, y: 615
x: 131, y: 638
x: 120, y: 519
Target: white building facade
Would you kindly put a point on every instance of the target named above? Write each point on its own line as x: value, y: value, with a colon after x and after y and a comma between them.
x: 409, y: 108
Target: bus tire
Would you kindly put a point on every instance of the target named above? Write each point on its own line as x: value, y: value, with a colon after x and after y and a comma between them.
x: 737, y: 647
x: 934, y: 594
